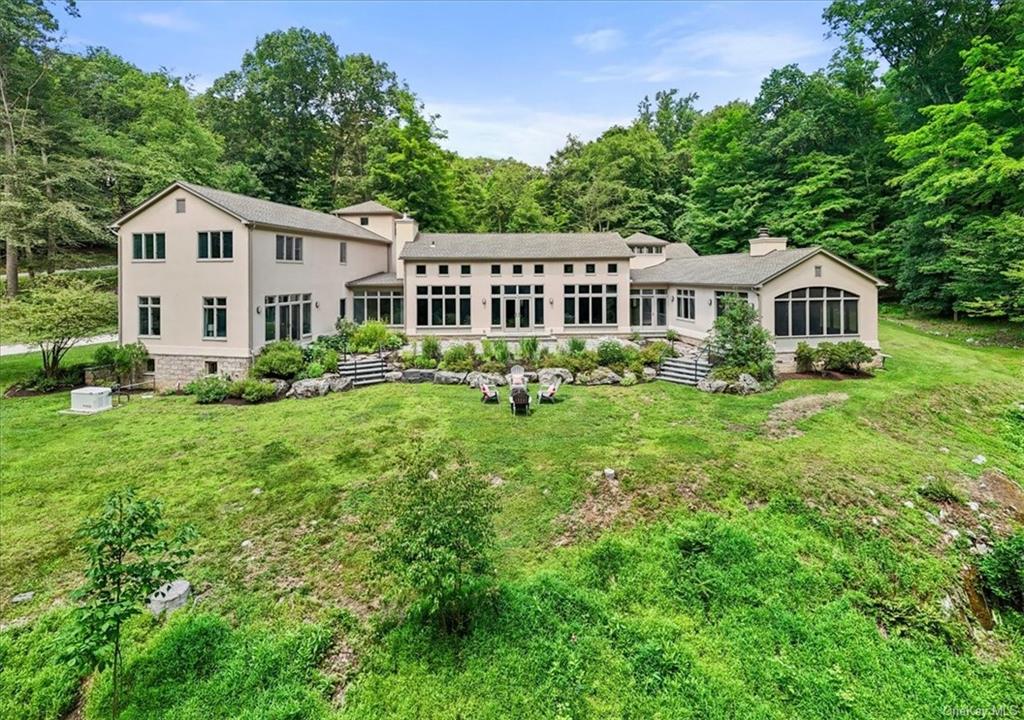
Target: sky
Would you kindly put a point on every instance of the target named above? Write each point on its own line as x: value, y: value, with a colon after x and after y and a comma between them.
x: 507, y: 79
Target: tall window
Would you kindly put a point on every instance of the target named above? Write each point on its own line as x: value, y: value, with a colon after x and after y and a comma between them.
x: 442, y: 306
x: 343, y: 252
x: 591, y: 305
x: 149, y: 316
x: 385, y: 306
x: 686, y: 304
x: 148, y: 246
x: 289, y: 248
x: 288, y: 317
x: 216, y: 245
x: 647, y: 307
x: 816, y: 311
x: 517, y: 306
x: 215, y: 317
x: 720, y: 295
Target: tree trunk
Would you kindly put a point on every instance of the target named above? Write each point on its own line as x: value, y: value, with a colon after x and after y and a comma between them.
x: 9, y: 245
x: 115, y: 700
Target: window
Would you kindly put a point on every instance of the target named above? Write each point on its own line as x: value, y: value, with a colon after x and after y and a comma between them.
x: 289, y: 248
x: 421, y: 269
x: 817, y: 271
x: 613, y: 268
x: 591, y: 268
x: 591, y: 305
x: 517, y: 306
x: 442, y: 269
x: 215, y: 317
x: 495, y: 269
x: 343, y: 253
x: 384, y: 306
x: 211, y: 367
x: 464, y: 269
x: 647, y: 307
x: 179, y: 205
x: 149, y: 316
x: 364, y: 221
x: 288, y: 317
x: 719, y: 305
x: 442, y: 306
x: 686, y: 304
x: 538, y: 269
x: 150, y: 366
x: 816, y: 311
x: 342, y: 309
x: 567, y: 268
x: 216, y: 245
x: 517, y: 269
x: 148, y: 246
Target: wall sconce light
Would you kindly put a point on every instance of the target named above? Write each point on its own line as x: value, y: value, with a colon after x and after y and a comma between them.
x: 551, y: 301
x: 484, y: 300
x: 316, y: 304
x: 259, y: 309
x: 710, y: 302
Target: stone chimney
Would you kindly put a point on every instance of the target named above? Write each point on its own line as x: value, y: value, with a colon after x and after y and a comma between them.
x: 406, y: 230
x: 764, y: 243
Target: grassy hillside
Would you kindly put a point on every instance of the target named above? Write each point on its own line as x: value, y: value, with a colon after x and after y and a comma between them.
x: 753, y: 560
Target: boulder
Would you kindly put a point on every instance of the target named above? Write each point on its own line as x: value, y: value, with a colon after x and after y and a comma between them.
x: 393, y: 376
x: 444, y: 377
x: 476, y: 379
x: 593, y: 343
x: 418, y: 375
x: 710, y: 385
x: 598, y: 376
x: 650, y: 374
x: 337, y: 383
x: 23, y: 597
x: 547, y: 376
x: 169, y: 597
x: 311, y: 387
x: 281, y: 388
x: 746, y: 384
x: 530, y: 376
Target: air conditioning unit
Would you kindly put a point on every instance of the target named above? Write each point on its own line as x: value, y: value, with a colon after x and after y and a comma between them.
x: 90, y: 400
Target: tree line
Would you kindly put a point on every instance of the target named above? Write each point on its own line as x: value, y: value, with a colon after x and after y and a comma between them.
x: 905, y: 153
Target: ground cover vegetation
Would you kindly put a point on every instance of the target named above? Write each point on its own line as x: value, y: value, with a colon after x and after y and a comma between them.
x: 912, y: 172
x: 811, y: 550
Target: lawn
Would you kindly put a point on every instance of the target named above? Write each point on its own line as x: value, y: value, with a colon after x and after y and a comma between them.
x: 730, y: 574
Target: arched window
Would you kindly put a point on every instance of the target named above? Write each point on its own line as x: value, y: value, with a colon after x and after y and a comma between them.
x: 815, y: 311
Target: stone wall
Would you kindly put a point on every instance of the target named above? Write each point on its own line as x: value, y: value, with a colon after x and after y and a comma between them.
x: 173, y: 372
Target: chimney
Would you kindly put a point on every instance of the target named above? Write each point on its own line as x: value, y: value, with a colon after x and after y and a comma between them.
x: 764, y: 243
x: 406, y: 230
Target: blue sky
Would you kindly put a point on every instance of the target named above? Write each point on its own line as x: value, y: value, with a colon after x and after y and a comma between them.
x: 508, y: 79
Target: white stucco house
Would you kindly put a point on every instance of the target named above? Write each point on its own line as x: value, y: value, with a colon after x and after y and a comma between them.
x: 207, y: 277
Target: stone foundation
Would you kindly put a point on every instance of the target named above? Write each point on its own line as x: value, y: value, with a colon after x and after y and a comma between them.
x: 173, y: 372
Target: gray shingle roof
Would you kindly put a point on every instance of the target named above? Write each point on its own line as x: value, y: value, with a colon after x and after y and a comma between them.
x: 729, y: 270
x: 645, y: 239
x: 381, y: 279
x: 516, y: 246
x: 370, y: 207
x: 265, y: 212
x: 679, y: 250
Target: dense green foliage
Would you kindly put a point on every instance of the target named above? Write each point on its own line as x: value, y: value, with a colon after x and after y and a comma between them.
x: 739, y: 343
x: 209, y: 389
x: 280, y: 359
x: 1003, y: 571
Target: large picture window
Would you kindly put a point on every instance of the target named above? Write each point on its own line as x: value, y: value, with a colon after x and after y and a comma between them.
x: 149, y: 316
x: 517, y: 306
x: 386, y: 306
x: 148, y: 246
x: 287, y: 317
x: 215, y: 317
x: 591, y: 305
x: 648, y: 307
x: 815, y: 311
x: 686, y: 304
x: 216, y: 245
x: 442, y: 306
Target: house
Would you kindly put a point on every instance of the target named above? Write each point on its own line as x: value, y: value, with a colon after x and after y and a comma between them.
x: 208, y: 277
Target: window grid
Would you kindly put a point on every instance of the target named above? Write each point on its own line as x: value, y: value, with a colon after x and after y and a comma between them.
x: 517, y: 306
x: 149, y: 316
x: 648, y: 307
x: 686, y: 304
x: 288, y: 317
x: 148, y: 246
x: 289, y: 248
x: 590, y: 305
x: 442, y: 305
x: 386, y: 306
x: 216, y: 245
x: 343, y: 253
x: 816, y: 312
x: 215, y: 317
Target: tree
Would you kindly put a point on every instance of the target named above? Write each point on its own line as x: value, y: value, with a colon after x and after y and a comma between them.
x: 739, y: 341
x: 438, y: 544
x: 129, y: 558
x: 57, y: 313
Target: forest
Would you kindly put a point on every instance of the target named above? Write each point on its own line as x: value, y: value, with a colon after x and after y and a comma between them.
x: 905, y: 153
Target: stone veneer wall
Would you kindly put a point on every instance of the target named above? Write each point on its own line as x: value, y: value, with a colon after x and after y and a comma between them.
x: 173, y: 372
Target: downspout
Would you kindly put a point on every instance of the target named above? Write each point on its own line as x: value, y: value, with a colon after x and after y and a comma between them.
x: 120, y: 287
x: 249, y: 289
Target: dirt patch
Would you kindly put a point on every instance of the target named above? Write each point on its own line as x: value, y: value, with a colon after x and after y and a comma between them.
x: 826, y: 375
x: 976, y: 600
x: 996, y: 499
x: 341, y: 664
x: 782, y: 419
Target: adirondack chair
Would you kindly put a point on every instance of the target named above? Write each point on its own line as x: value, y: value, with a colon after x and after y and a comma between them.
x: 487, y: 394
x: 517, y: 375
x: 547, y: 394
x: 519, y: 399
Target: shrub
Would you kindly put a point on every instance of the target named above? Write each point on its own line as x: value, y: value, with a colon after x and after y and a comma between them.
x: 611, y: 353
x: 497, y: 351
x: 805, y: 357
x: 459, y: 358
x: 528, y: 350
x: 655, y: 353
x: 631, y: 379
x: 281, y: 359
x: 939, y: 490
x: 66, y: 376
x: 103, y: 356
x: 371, y: 337
x: 313, y: 370
x: 129, y: 360
x: 738, y: 340
x: 672, y: 335
x: 252, y: 390
x: 575, y: 346
x: 209, y: 389
x: 845, y: 356
x: 1002, y: 570
x: 423, y: 362
x: 431, y: 348
x: 493, y: 366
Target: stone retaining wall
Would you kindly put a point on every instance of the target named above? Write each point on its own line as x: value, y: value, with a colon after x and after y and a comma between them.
x: 173, y: 372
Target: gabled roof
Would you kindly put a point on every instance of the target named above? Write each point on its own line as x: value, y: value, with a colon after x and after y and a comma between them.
x: 370, y: 207
x: 645, y: 239
x: 679, y: 250
x: 730, y: 270
x: 381, y: 279
x: 255, y: 211
x: 516, y: 246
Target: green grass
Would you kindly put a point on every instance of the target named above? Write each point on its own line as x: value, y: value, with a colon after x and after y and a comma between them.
x: 745, y: 578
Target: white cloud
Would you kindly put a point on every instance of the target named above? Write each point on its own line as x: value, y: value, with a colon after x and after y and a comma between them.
x: 599, y: 41
x: 506, y: 128
x: 166, y: 21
